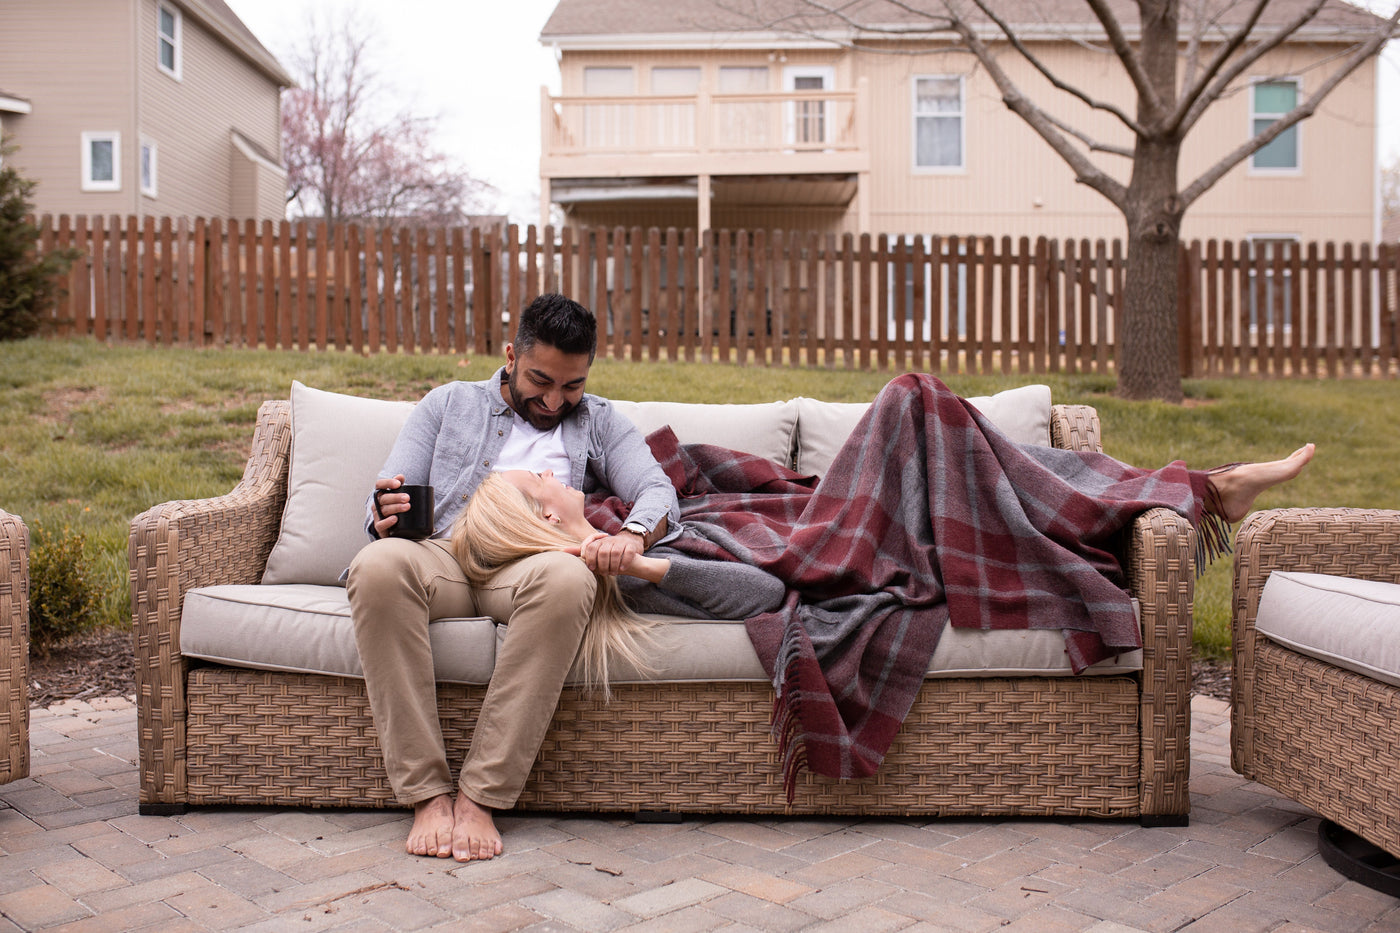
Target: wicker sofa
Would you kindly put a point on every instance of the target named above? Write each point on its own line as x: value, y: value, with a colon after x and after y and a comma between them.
x: 1317, y: 731
x: 978, y: 742
x: 14, y: 648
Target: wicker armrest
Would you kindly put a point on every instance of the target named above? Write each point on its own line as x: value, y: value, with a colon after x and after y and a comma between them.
x: 177, y: 546
x: 1160, y: 562
x: 14, y: 648
x: 1362, y: 543
x: 1075, y: 427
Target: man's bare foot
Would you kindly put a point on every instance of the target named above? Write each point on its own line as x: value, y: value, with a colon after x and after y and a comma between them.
x: 474, y: 836
x: 1239, y: 486
x: 432, y: 828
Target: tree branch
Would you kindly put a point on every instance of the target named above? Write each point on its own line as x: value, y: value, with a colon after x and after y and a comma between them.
x: 1132, y: 63
x: 1295, y: 116
x: 1085, y: 171
x: 960, y: 25
x: 1213, y: 80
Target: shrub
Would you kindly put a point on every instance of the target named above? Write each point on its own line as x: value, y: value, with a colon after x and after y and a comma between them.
x: 28, y: 281
x: 62, y: 600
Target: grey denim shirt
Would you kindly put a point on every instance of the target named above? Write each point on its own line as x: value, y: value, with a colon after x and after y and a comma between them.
x: 454, y: 435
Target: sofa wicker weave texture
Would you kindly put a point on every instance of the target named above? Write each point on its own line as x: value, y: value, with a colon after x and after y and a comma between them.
x: 14, y: 648
x: 249, y: 689
x: 1317, y: 663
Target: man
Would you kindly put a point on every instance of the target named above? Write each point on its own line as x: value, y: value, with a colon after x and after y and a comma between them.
x: 532, y: 415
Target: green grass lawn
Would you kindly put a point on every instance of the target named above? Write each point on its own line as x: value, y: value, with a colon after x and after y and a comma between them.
x: 91, y: 435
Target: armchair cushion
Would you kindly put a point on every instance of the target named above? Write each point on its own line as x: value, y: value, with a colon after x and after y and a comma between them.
x: 339, y: 444
x: 1350, y: 623
x: 764, y: 429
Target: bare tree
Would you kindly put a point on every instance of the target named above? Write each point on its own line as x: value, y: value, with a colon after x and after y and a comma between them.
x: 349, y: 154
x: 1179, y: 58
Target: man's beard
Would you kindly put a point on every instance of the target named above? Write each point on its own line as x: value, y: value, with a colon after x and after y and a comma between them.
x: 532, y: 415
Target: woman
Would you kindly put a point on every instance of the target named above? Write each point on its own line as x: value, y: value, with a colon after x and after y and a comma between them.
x: 516, y: 513
x: 928, y: 515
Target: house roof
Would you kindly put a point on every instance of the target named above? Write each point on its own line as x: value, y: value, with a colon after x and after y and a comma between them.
x: 220, y: 18
x: 590, y: 23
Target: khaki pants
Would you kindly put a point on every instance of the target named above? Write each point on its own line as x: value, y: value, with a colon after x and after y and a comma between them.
x: 396, y: 587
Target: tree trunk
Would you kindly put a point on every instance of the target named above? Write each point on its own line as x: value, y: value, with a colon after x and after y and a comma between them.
x: 1149, y: 359
x: 1149, y: 364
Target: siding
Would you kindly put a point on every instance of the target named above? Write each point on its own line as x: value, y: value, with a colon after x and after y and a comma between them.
x: 73, y: 62
x: 1013, y: 184
x: 191, y: 120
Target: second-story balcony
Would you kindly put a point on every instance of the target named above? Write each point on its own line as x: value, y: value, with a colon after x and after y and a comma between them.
x: 805, y: 132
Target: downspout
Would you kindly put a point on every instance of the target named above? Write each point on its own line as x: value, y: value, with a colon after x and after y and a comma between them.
x: 135, y: 135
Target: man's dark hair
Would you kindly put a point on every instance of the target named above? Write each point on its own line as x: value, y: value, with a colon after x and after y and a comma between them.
x: 559, y: 322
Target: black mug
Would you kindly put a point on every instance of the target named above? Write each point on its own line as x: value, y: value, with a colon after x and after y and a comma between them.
x: 417, y: 522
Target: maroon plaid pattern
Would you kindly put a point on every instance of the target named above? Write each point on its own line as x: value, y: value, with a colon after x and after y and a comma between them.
x: 927, y: 512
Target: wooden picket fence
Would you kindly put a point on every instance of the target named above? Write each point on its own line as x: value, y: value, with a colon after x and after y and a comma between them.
x: 937, y: 303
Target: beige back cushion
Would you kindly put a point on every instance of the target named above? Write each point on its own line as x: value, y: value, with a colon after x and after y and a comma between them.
x: 339, y: 444
x: 822, y: 427
x: 764, y: 429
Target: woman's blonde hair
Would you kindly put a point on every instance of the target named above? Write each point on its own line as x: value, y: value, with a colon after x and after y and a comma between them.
x: 501, y: 524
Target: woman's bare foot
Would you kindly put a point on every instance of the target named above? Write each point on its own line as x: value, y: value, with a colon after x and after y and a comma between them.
x: 1239, y: 486
x: 474, y: 836
x: 432, y: 828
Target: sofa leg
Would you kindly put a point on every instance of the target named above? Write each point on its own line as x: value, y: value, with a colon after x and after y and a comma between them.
x: 1151, y: 820
x: 658, y: 816
x: 162, y: 809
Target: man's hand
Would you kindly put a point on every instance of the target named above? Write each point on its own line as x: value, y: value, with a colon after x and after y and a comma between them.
x: 611, y: 555
x: 388, y: 505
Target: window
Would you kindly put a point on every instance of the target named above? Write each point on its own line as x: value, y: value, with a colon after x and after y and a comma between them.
x: 1270, y: 300
x: 806, y: 121
x: 148, y: 168
x: 102, y: 161
x: 938, y: 122
x: 608, y: 126
x: 169, y: 25
x: 1269, y: 101
x: 675, y: 82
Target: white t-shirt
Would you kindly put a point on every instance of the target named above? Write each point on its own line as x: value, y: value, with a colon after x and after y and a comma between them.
x: 529, y: 448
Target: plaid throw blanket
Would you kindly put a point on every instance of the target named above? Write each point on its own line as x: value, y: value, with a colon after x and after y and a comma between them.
x: 928, y: 512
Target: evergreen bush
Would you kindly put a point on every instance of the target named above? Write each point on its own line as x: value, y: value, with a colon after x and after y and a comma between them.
x: 29, y: 283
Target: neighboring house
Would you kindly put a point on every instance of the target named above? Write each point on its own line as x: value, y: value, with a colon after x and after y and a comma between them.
x: 696, y: 114
x: 142, y: 107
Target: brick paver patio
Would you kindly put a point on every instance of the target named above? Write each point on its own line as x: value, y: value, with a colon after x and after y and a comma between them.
x: 74, y: 855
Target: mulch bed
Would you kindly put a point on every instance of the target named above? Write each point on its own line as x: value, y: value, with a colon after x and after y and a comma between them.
x: 101, y: 664
x: 93, y: 664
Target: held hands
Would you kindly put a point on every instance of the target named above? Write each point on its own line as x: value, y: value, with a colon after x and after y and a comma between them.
x: 388, y: 505
x: 611, y: 555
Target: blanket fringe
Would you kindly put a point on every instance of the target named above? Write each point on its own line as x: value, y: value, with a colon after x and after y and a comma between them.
x: 1213, y: 538
x: 786, y: 727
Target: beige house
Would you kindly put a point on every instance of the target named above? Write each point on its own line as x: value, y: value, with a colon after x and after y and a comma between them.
x: 142, y: 107
x: 699, y: 114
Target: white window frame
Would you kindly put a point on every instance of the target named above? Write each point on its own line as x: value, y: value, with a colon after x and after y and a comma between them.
x: 176, y: 41
x: 149, y: 185
x: 1297, y: 128
x: 806, y: 114
x: 91, y: 184
x: 961, y: 167
x: 1256, y: 313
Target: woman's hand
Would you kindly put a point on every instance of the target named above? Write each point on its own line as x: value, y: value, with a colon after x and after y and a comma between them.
x: 651, y: 569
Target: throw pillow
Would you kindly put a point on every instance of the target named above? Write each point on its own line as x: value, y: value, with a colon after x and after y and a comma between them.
x: 339, y: 444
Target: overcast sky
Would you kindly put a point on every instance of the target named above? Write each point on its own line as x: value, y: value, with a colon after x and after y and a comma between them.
x: 478, y: 65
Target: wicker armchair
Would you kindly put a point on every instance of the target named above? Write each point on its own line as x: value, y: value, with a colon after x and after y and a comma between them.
x: 14, y: 648
x: 1318, y: 734
x: 1110, y: 746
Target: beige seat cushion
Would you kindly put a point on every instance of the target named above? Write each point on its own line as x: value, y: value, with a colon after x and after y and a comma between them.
x: 1353, y: 624
x: 301, y: 627
x: 307, y: 628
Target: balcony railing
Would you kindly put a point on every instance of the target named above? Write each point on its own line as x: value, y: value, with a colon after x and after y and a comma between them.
x: 726, y: 124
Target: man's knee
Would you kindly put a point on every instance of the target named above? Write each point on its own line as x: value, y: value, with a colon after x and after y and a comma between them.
x: 561, y: 580
x: 383, y: 560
